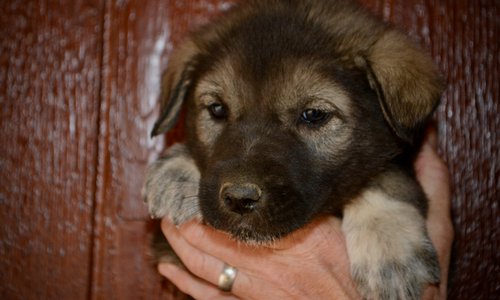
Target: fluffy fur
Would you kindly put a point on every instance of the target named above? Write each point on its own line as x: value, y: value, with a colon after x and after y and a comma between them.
x: 296, y: 109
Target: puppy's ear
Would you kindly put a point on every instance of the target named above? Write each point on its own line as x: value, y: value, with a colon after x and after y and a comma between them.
x: 176, y: 81
x: 407, y: 81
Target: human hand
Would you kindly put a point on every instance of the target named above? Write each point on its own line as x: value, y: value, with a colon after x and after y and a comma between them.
x: 311, y: 262
x: 433, y: 175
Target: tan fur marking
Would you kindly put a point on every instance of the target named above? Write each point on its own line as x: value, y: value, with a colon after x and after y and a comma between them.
x: 224, y: 83
x: 301, y: 81
x: 303, y: 87
x: 383, y: 236
x: 374, y: 219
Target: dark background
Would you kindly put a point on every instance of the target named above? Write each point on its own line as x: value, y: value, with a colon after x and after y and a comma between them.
x: 78, y: 90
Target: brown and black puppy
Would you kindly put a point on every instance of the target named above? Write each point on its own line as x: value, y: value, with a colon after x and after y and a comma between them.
x: 296, y: 109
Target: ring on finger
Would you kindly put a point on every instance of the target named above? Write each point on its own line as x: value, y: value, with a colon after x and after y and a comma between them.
x: 227, y: 277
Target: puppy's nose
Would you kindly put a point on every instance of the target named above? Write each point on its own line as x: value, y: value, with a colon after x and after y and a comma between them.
x: 241, y: 198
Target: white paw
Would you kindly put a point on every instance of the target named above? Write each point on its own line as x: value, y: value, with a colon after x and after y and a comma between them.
x: 171, y: 186
x: 390, y: 253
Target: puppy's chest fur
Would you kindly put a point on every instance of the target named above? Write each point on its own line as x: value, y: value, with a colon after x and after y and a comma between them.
x: 296, y: 109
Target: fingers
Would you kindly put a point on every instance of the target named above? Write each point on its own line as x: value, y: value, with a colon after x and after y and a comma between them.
x: 313, y: 236
x: 187, y: 283
x: 204, y: 266
x: 317, y: 260
x: 218, y: 244
x: 195, y: 260
x: 433, y: 175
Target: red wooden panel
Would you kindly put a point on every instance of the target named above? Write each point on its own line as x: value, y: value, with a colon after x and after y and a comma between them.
x: 467, y: 47
x: 49, y: 89
x: 134, y: 41
x: 138, y: 38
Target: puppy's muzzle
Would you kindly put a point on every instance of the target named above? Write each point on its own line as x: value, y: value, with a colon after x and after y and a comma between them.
x: 240, y: 198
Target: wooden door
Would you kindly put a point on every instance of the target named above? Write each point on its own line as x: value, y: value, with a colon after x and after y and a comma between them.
x: 78, y: 90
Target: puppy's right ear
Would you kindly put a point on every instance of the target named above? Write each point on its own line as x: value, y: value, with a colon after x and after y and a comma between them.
x: 174, y: 86
x: 407, y: 81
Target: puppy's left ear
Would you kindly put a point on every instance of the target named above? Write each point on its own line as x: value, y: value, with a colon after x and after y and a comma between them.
x: 407, y: 81
x: 175, y: 84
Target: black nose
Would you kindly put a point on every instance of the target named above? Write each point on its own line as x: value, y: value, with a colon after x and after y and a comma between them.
x: 240, y: 198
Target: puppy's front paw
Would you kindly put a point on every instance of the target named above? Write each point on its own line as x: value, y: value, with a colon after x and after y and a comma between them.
x: 390, y: 253
x: 397, y: 279
x: 171, y: 186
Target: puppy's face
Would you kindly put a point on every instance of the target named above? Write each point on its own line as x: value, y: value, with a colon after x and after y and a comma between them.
x: 278, y: 147
x: 291, y: 110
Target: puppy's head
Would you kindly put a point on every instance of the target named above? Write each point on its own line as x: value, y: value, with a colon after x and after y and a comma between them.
x: 292, y: 108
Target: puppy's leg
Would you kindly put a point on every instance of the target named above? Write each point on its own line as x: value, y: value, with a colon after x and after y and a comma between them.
x: 391, y: 255
x: 171, y: 186
x: 171, y: 189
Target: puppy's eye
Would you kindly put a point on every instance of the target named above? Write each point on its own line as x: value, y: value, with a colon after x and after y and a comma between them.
x: 217, y: 111
x: 314, y: 116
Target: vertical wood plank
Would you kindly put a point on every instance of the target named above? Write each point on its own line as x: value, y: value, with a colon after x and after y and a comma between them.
x: 465, y: 40
x: 49, y: 99
x: 139, y: 37
x: 134, y: 41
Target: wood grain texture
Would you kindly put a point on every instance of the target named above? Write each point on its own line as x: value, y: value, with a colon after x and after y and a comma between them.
x: 463, y: 38
x: 134, y: 41
x: 466, y: 44
x: 138, y: 37
x: 49, y: 81
x: 79, y: 82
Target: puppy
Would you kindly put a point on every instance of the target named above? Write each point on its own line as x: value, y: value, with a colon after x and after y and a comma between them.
x: 296, y: 109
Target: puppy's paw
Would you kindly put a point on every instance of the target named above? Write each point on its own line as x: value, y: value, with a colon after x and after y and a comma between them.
x: 171, y: 186
x: 391, y: 255
x: 397, y: 279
